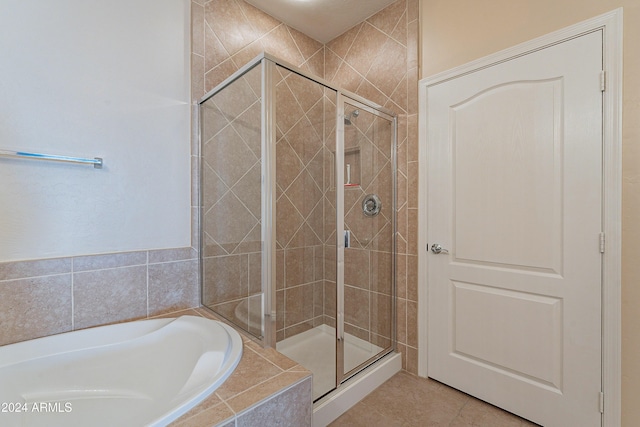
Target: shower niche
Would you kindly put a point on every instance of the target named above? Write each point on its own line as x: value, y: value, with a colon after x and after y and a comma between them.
x: 352, y: 167
x: 352, y: 176
x: 286, y: 160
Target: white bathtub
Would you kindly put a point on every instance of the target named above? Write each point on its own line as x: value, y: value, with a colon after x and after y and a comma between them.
x: 143, y: 373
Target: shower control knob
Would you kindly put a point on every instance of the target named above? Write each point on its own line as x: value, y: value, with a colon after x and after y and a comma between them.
x: 371, y: 205
x: 437, y: 249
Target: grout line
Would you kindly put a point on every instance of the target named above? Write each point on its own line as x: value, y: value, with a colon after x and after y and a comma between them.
x: 296, y: 45
x: 405, y: 14
x: 206, y: 23
x: 109, y: 268
x: 34, y: 277
x: 235, y: 414
x: 352, y: 42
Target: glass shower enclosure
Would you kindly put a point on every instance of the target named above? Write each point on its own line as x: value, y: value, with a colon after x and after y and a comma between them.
x: 297, y: 217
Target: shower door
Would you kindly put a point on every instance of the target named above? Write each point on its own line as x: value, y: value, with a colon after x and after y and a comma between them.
x: 366, y: 288
x: 335, y: 225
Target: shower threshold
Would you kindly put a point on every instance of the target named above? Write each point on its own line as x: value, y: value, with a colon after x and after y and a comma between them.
x: 330, y: 407
x: 315, y: 349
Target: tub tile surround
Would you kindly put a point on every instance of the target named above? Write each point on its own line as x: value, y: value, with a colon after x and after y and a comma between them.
x: 377, y: 59
x: 266, y: 386
x: 50, y: 296
x: 265, y: 389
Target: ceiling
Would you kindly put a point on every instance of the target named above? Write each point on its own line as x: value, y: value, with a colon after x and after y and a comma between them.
x: 322, y: 20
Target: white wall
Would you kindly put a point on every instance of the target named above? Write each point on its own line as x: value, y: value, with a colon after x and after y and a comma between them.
x: 94, y: 78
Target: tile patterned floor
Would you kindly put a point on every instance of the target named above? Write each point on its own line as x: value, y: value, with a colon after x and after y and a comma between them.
x: 409, y: 401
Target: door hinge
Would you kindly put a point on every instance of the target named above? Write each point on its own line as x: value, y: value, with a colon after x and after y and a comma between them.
x: 601, y: 403
x: 603, y: 80
x: 602, y: 243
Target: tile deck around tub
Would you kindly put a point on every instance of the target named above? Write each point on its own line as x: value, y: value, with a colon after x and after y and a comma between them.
x: 261, y: 374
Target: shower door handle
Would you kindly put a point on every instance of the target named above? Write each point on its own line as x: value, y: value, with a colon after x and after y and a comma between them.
x: 436, y: 248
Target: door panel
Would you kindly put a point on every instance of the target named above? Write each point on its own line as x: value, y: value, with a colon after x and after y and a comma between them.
x: 368, y: 291
x: 507, y: 314
x: 507, y: 152
x: 514, y: 195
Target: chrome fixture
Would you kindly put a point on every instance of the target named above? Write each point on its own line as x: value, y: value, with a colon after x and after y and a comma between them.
x: 354, y: 114
x: 436, y: 248
x: 347, y: 239
x: 371, y: 205
x: 96, y: 161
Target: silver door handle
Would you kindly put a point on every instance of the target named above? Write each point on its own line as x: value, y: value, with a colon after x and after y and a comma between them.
x: 437, y: 249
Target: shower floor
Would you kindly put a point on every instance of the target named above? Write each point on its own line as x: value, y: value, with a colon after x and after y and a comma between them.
x: 315, y: 349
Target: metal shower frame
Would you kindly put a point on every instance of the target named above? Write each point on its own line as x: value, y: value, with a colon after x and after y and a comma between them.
x: 268, y: 63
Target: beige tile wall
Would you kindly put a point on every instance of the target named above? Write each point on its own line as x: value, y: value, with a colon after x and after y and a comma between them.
x: 300, y: 189
x: 231, y: 211
x: 377, y: 59
x: 45, y: 297
x: 229, y: 33
x: 368, y: 263
x: 226, y: 36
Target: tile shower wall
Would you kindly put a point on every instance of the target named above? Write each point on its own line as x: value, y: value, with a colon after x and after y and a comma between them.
x: 231, y: 211
x: 227, y: 35
x: 377, y: 59
x: 301, y: 184
x: 368, y: 263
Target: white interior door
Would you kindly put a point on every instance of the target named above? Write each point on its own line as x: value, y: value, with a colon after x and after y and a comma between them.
x: 515, y: 197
